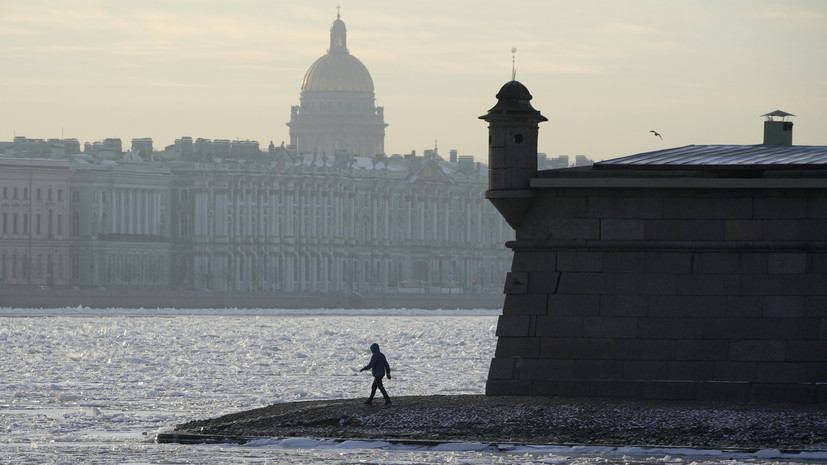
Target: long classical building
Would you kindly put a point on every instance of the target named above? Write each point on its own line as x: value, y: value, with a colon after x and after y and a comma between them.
x: 283, y: 223
x: 313, y: 226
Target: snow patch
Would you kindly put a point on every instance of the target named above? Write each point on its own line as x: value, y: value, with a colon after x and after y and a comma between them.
x: 461, y: 446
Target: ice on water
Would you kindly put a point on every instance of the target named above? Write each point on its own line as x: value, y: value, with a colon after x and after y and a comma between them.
x: 94, y: 386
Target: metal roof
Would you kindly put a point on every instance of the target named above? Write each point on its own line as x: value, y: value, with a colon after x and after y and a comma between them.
x: 726, y: 156
x: 780, y: 113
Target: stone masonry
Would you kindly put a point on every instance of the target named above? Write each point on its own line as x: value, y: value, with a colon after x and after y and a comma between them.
x: 666, y: 283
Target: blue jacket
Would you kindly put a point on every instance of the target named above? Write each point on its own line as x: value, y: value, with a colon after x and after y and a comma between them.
x: 378, y: 363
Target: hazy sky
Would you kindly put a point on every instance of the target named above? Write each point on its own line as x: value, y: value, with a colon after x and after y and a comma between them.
x: 603, y: 72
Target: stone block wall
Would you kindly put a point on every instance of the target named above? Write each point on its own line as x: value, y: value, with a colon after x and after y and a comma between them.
x: 688, y: 294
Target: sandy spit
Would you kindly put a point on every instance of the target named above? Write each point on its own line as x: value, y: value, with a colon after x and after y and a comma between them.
x: 533, y: 420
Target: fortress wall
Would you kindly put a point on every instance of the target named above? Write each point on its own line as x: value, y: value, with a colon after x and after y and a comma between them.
x: 687, y: 294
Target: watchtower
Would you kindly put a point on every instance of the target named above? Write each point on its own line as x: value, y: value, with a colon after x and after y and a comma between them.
x: 513, y: 125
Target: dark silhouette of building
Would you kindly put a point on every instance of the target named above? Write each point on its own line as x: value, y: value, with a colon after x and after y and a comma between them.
x: 691, y: 273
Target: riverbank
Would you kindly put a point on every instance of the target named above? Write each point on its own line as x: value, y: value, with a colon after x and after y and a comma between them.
x: 126, y: 297
x: 527, y: 420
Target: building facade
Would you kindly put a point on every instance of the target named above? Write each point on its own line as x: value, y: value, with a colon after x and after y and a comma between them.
x: 120, y: 225
x: 313, y: 226
x: 34, y: 230
x: 298, y: 223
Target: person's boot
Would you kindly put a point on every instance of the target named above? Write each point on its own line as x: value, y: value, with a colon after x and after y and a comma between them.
x: 387, y: 401
x: 369, y: 401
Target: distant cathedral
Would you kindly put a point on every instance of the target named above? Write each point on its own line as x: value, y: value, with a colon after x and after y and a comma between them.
x: 331, y: 212
x: 338, y: 113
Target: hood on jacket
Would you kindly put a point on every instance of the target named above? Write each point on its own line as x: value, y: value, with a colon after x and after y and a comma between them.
x: 374, y: 347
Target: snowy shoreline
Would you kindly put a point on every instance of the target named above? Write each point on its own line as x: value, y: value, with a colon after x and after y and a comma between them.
x: 533, y: 420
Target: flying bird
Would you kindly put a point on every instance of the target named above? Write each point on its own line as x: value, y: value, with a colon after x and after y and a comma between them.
x: 657, y: 134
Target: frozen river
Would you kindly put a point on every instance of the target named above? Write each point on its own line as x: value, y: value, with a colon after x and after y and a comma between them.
x: 95, y: 386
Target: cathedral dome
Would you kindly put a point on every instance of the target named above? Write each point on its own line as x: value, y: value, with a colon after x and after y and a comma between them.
x: 337, y: 112
x: 338, y: 70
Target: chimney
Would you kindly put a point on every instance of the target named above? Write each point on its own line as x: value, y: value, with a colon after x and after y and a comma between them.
x: 778, y: 132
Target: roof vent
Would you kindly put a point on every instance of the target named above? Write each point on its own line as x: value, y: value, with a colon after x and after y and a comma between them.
x: 778, y: 132
x: 465, y: 164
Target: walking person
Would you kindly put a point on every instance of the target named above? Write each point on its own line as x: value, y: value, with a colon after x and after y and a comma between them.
x: 380, y: 368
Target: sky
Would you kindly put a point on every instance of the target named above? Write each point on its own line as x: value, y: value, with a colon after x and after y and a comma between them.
x: 604, y: 72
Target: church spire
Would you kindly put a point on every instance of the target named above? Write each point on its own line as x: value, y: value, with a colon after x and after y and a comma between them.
x: 338, y: 34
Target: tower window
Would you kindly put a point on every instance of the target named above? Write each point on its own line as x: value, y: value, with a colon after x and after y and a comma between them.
x: 518, y: 138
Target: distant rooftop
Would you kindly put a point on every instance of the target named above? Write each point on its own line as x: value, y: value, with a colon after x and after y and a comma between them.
x: 725, y: 156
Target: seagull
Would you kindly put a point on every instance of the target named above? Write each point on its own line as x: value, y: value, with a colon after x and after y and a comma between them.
x: 657, y: 134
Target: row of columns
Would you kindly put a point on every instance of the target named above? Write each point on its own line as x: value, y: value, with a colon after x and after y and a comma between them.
x: 263, y: 212
x: 130, y: 211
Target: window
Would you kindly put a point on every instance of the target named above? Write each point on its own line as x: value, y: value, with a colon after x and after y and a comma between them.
x: 5, y: 193
x: 5, y: 220
x: 59, y: 224
x: 49, y: 195
x: 25, y: 223
x: 75, y: 223
x: 14, y: 223
x: 38, y: 193
x: 76, y: 196
x: 37, y: 224
x: 184, y: 226
x: 14, y: 194
x: 25, y: 193
x: 60, y: 195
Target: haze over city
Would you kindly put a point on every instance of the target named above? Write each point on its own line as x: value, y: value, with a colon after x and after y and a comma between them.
x: 605, y: 73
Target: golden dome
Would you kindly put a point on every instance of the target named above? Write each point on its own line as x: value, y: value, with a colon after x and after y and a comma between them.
x: 338, y: 71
